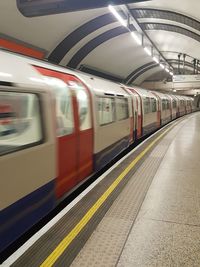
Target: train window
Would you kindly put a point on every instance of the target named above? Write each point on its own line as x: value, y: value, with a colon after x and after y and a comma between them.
x: 163, y: 104
x: 174, y: 103
x: 147, y: 105
x: 106, y: 110
x: 64, y: 111
x: 167, y: 104
x: 153, y: 103
x: 20, y: 121
x: 84, y: 108
x: 122, y: 108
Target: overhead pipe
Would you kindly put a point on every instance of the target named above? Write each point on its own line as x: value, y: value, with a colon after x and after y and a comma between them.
x: 184, y: 56
x: 197, y: 66
x: 179, y: 59
x: 194, y: 66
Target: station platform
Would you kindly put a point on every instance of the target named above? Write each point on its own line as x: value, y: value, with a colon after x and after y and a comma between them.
x: 144, y: 211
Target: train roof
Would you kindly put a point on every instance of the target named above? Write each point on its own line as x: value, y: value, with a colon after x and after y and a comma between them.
x: 96, y: 84
x: 100, y: 85
x: 161, y: 95
x: 143, y: 92
x: 14, y: 71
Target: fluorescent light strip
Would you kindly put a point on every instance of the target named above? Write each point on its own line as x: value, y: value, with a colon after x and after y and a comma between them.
x: 166, y: 69
x: 115, y: 13
x: 155, y: 59
x: 171, y: 73
x: 136, y: 38
x: 147, y: 51
x: 162, y: 66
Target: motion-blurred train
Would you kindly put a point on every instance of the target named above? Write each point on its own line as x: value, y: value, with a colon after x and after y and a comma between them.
x: 58, y: 127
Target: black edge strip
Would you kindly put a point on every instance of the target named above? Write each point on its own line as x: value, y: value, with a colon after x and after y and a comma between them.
x: 91, y: 45
x: 101, y: 74
x: 76, y: 36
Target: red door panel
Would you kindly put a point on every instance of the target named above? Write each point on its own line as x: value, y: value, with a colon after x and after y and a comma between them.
x: 140, y: 117
x: 85, y: 133
x: 85, y: 154
x: 67, y: 164
x: 139, y: 131
x: 75, y: 150
x: 159, y: 113
x: 67, y: 158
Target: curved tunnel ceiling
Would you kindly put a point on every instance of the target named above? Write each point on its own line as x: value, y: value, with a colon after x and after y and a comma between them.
x: 62, y: 49
x: 106, y: 19
x: 151, y: 65
x: 91, y: 45
x: 93, y: 40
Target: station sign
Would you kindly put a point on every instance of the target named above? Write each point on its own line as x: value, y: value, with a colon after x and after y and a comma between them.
x: 186, y: 78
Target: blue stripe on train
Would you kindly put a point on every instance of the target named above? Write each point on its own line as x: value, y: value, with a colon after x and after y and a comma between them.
x: 20, y: 216
x: 105, y: 156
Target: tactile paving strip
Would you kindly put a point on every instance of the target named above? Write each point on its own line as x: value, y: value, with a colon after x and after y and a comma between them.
x: 132, y: 198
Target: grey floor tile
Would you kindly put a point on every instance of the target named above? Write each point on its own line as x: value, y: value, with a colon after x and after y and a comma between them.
x: 149, y: 244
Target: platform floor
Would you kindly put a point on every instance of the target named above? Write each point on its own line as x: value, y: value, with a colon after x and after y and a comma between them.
x: 145, y: 212
x: 166, y: 231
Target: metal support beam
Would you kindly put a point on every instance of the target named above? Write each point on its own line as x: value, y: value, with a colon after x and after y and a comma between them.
x: 184, y: 56
x: 194, y: 66
x: 179, y: 59
x: 144, y: 35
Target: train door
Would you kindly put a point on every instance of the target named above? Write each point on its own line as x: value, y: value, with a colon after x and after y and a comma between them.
x: 85, y: 129
x: 159, y: 111
x: 140, y: 117
x: 132, y: 116
x: 170, y: 106
x: 177, y: 107
x: 135, y: 114
x: 74, y: 143
x: 138, y: 113
x: 131, y: 119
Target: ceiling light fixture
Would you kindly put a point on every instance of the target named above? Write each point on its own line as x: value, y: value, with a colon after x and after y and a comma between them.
x: 156, y: 59
x: 116, y: 14
x: 126, y: 18
x: 136, y: 38
x: 147, y: 51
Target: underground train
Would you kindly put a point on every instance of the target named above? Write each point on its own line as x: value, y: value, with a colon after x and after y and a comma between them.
x: 58, y: 127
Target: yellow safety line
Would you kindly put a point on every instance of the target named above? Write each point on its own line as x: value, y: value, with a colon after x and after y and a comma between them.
x: 52, y: 258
